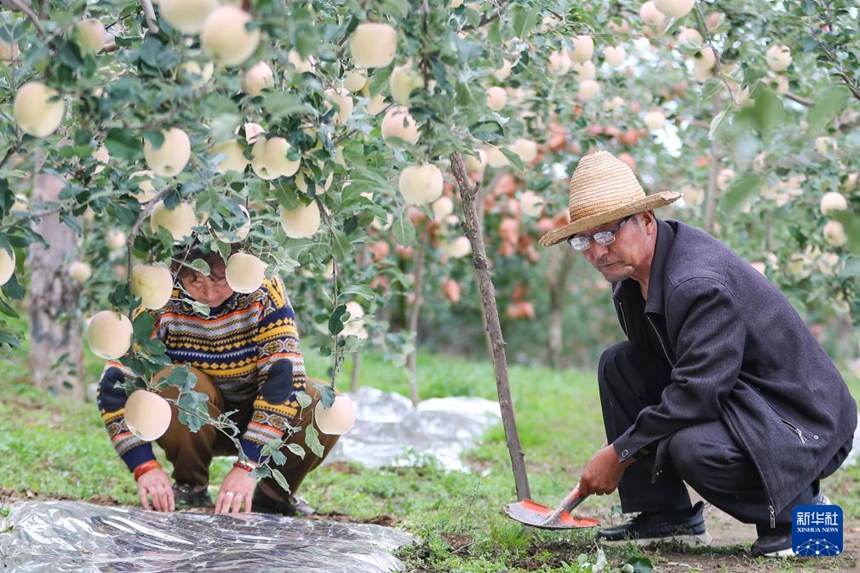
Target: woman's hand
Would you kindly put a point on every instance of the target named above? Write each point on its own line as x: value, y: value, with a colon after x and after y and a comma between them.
x: 156, y: 484
x: 237, y: 489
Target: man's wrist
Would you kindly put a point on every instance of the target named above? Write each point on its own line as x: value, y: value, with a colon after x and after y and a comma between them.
x: 246, y: 465
x: 145, y: 467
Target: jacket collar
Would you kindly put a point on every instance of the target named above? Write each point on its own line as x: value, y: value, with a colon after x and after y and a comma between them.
x: 654, y: 304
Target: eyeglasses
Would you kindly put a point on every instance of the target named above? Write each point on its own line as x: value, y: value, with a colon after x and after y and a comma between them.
x: 582, y: 243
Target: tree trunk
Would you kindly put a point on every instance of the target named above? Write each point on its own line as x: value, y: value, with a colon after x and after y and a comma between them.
x: 56, y: 336
x: 494, y: 328
x: 414, y: 313
x: 713, y: 170
x: 557, y: 273
x: 353, y: 375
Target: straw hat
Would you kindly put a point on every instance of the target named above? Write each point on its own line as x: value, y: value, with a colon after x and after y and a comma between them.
x: 604, y: 189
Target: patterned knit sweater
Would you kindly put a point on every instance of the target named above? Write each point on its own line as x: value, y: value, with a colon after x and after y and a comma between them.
x: 237, y: 346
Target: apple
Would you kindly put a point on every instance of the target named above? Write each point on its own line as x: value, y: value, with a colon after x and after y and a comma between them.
x: 338, y: 419
x: 531, y: 204
x: 851, y: 181
x: 824, y: 145
x: 442, y: 208
x: 301, y: 222
x: 354, y: 80
x: 399, y: 123
x: 376, y: 105
x: 302, y: 184
x: 496, y: 98
x: 115, y: 240
x: 690, y: 37
x: 702, y: 71
x: 526, y: 149
x: 650, y: 14
x: 693, y: 196
x: 245, y: 273
x: 724, y: 178
x: 236, y: 234
x: 301, y: 65
x: 173, y: 155
x: 109, y: 334
x: 9, y: 52
x: 180, y: 221
x: 705, y: 58
x: 373, y: 45
x: 233, y: 158
x: 153, y: 284
x: 145, y: 190
x: 343, y: 102
x: 583, y: 48
x: 269, y: 159
x: 187, y: 16
x: 354, y: 326
x: 257, y: 78
x: 91, y: 35
x: 832, y: 202
x: 714, y: 20
x: 38, y: 109
x: 421, y: 184
x: 504, y: 72
x: 451, y: 290
x: 655, y: 119
x: 226, y: 36
x: 147, y: 414
x: 614, y: 55
x: 80, y: 271
x: 834, y: 233
x: 559, y: 62
x: 458, y: 248
x: 402, y: 82
x: 252, y: 132
x: 585, y: 70
x: 675, y: 8
x: 192, y: 73
x: 778, y: 83
x: 102, y: 156
x: 588, y: 89
x: 495, y: 158
x: 7, y: 265
x: 778, y: 57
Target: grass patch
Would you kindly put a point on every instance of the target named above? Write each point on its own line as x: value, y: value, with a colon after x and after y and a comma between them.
x: 58, y: 449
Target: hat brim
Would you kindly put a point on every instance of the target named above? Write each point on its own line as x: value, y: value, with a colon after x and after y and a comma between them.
x: 650, y: 202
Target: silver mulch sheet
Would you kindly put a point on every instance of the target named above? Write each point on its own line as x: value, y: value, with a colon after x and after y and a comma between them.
x: 67, y: 536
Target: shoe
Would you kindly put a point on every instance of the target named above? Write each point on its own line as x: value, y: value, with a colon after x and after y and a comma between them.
x: 685, y: 526
x: 777, y: 542
x: 292, y: 506
x: 187, y: 495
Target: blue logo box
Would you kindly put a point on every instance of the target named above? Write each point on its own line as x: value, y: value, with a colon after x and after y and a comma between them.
x: 816, y: 530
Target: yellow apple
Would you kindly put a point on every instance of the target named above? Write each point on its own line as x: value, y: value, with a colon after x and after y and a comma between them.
x: 102, y: 156
x: 80, y: 271
x: 834, y: 233
x: 373, y: 45
x: 342, y: 102
x: 147, y: 414
x: 180, y: 221
x: 226, y: 36
x: 655, y: 119
x: 354, y: 326
x: 559, y: 62
x: 725, y: 178
x: 531, y: 204
x: 38, y: 109
x: 7, y: 265
x: 245, y: 273
x: 252, y: 132
x: 187, y: 16
x: 675, y: 8
x: 588, y: 89
x: 832, y: 202
x: 458, y: 248
x: 402, y: 82
x: 583, y: 48
x: 109, y: 334
x: 650, y: 14
x: 236, y: 234
x: 191, y: 72
x: 421, y: 184
x: 504, y: 72
x: 115, y: 240
x: 496, y: 98
x: 338, y: 419
x: 495, y: 158
x: 584, y: 71
x: 269, y: 159
x: 399, y: 123
x: 614, y: 55
x: 302, y: 66
x: 91, y: 35
x: 376, y: 105
x: 354, y: 80
x: 526, y: 149
x: 233, y: 158
x: 301, y: 222
x: 9, y: 52
x: 778, y: 57
x: 173, y: 155
x: 302, y: 184
x: 153, y: 284
x: 145, y: 191
x: 442, y: 208
x: 257, y: 78
x: 690, y: 37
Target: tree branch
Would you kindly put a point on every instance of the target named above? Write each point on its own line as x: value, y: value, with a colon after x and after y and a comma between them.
x: 22, y: 6
x: 801, y: 100
x: 486, y: 18
x: 149, y: 14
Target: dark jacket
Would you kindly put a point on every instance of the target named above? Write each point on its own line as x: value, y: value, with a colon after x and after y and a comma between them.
x: 739, y: 352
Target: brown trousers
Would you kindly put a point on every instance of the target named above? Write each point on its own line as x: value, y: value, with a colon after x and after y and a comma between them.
x: 192, y: 452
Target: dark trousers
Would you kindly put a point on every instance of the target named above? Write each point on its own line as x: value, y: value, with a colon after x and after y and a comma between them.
x: 192, y: 452
x: 705, y: 456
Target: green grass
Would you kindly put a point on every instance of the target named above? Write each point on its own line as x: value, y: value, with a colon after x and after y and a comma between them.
x: 59, y: 449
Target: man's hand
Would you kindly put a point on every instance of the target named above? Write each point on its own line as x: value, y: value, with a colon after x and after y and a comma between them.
x: 602, y: 472
x: 237, y: 489
x: 156, y: 484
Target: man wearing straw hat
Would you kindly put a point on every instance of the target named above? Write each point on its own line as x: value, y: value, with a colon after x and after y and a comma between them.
x: 719, y: 384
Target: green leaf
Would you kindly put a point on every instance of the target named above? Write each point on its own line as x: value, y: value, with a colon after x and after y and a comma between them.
x: 524, y: 21
x: 297, y: 450
x: 279, y: 477
x: 640, y: 564
x: 327, y: 395
x: 201, y: 266
x: 335, y: 321
x: 362, y: 291
x: 312, y: 440
x: 193, y: 409
x: 741, y: 188
x: 851, y: 223
x: 513, y: 158
x: 488, y: 131
x: 143, y: 326
x: 340, y: 245
x: 303, y: 399
x: 124, y: 144
x: 766, y: 114
x: 404, y: 232
x: 829, y: 105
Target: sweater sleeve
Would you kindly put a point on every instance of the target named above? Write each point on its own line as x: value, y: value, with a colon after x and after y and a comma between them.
x: 710, y: 340
x: 280, y: 373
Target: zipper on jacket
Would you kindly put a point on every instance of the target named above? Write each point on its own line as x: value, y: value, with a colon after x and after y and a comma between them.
x: 772, y: 516
x: 660, y: 338
x: 623, y: 319
x: 795, y: 429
